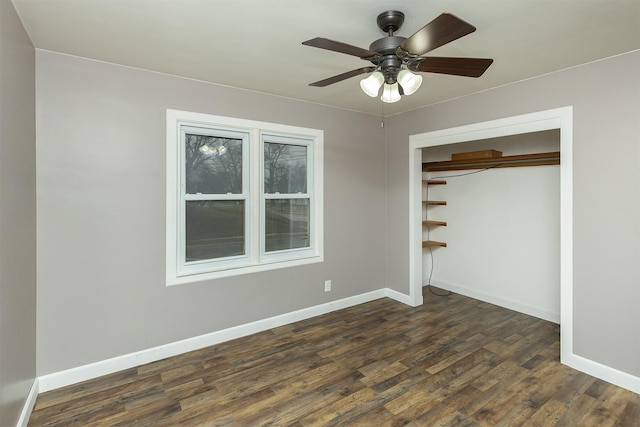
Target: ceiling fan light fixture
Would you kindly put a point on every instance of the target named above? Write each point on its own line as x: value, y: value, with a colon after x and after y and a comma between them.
x: 371, y: 85
x: 409, y: 81
x: 390, y: 93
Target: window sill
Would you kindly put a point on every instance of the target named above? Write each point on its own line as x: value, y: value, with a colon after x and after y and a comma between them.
x: 173, y: 279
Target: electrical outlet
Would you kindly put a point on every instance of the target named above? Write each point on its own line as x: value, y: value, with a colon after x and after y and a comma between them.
x: 327, y: 285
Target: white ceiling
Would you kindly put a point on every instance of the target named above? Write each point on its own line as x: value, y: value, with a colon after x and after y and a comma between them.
x: 256, y: 44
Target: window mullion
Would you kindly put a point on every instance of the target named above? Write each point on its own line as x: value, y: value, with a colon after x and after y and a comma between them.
x: 257, y: 205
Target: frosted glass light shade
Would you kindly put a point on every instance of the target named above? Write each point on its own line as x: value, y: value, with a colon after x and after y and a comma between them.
x: 410, y: 82
x: 390, y: 93
x: 371, y: 85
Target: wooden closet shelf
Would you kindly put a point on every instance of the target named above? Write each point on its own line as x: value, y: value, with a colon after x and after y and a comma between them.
x: 434, y: 181
x: 430, y: 223
x: 537, y: 159
x: 433, y: 243
x: 435, y: 202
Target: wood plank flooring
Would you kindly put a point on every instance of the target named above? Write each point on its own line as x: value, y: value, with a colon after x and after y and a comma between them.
x: 455, y: 361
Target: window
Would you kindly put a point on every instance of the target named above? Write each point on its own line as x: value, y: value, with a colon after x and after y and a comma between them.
x: 242, y: 196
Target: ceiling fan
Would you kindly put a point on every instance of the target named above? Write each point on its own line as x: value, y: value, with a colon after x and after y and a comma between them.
x: 395, y: 59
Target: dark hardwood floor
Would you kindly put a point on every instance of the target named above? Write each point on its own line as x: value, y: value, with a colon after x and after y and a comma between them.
x: 455, y: 361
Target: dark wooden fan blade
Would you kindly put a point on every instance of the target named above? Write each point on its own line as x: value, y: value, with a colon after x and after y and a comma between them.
x: 442, y: 30
x: 343, y: 76
x: 469, y: 67
x: 340, y: 47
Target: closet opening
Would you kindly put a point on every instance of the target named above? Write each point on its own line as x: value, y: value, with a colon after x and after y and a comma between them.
x: 556, y: 125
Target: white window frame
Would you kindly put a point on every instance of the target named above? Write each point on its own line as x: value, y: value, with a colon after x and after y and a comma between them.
x: 287, y: 253
x: 196, y: 267
x: 253, y: 134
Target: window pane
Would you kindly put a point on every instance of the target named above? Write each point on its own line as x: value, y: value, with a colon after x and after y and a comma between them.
x: 213, y: 165
x: 285, y: 168
x: 286, y: 224
x: 214, y: 229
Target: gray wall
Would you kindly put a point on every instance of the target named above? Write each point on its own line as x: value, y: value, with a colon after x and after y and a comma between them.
x: 606, y: 186
x: 101, y: 213
x: 17, y: 215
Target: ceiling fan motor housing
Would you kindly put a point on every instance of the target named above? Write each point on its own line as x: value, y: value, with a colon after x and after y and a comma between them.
x: 387, y: 45
x: 390, y: 63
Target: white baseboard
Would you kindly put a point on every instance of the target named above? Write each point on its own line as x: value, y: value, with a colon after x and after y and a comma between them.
x: 93, y: 370
x: 108, y: 366
x: 29, y: 404
x: 400, y: 297
x: 606, y: 373
x: 502, y: 302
